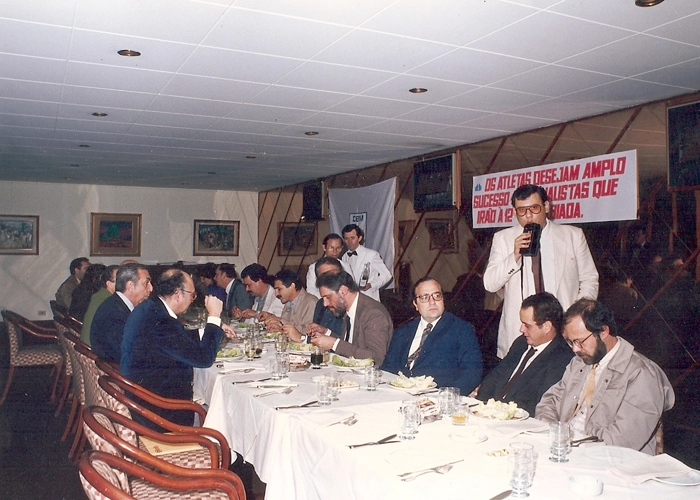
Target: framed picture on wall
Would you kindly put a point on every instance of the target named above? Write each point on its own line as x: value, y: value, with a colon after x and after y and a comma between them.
x: 115, y: 235
x: 443, y: 235
x: 19, y: 235
x: 297, y: 238
x: 216, y: 237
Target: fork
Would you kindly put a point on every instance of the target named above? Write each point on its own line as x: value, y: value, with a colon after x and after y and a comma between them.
x: 351, y: 420
x: 287, y: 390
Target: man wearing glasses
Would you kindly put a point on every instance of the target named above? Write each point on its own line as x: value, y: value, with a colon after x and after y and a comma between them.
x: 608, y: 389
x: 436, y: 343
x: 159, y: 354
x: 563, y: 265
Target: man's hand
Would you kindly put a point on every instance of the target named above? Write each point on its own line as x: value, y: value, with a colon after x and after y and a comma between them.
x: 367, y: 286
x: 473, y: 393
x: 248, y: 313
x: 313, y: 329
x: 323, y: 341
x: 264, y: 316
x: 213, y: 305
x: 228, y: 331
x: 522, y: 241
x: 292, y: 333
x: 272, y: 323
x: 236, y: 313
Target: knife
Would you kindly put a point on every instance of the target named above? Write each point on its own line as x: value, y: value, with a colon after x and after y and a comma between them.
x: 305, y: 405
x: 501, y: 496
x: 381, y: 441
x: 249, y: 381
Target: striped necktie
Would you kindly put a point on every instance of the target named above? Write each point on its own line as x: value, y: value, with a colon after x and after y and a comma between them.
x: 412, y: 357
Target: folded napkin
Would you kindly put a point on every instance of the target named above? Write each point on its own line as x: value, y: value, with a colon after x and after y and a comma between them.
x: 514, y: 428
x: 327, y: 417
x: 233, y: 367
x: 285, y: 382
x: 638, y: 471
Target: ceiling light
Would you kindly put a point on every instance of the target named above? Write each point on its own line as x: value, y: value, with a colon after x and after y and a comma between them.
x: 251, y: 157
x: 211, y: 173
x: 647, y: 3
x: 417, y: 90
x: 74, y: 165
x: 128, y: 53
x: 311, y: 132
x: 99, y: 114
x: 83, y: 145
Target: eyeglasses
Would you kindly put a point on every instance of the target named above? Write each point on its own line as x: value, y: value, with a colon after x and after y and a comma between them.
x: 578, y: 343
x: 437, y: 297
x: 534, y: 210
x: 194, y: 294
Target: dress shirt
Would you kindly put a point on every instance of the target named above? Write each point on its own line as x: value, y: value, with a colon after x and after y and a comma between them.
x: 419, y: 334
x: 350, y: 314
x: 126, y: 301
x: 538, y: 349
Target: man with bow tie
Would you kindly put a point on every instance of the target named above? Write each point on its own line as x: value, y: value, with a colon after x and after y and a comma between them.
x: 358, y: 256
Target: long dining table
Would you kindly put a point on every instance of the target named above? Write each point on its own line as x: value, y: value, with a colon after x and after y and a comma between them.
x: 303, y: 453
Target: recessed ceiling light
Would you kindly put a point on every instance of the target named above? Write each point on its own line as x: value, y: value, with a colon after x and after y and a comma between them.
x: 128, y: 53
x: 647, y: 3
x: 74, y: 165
x: 251, y: 157
x: 311, y: 132
x: 83, y: 145
x: 211, y: 173
x: 99, y: 114
x: 417, y: 90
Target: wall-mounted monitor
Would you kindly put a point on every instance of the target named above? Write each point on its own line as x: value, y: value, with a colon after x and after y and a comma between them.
x: 436, y: 184
x: 683, y: 126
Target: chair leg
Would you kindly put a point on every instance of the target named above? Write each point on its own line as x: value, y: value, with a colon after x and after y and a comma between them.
x: 59, y: 370
x: 10, y: 374
x: 81, y: 447
x: 78, y: 437
x: 65, y: 387
x: 71, y: 417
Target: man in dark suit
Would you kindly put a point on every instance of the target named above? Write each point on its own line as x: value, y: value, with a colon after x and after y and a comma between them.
x: 437, y: 343
x: 159, y: 354
x: 133, y: 286
x: 236, y: 296
x: 368, y: 326
x: 540, y: 350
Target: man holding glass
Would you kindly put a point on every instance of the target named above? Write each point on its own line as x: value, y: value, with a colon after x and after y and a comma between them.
x: 608, y: 389
x: 437, y: 343
x: 562, y: 264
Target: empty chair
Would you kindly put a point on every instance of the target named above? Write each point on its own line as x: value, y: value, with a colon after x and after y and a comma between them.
x: 31, y: 355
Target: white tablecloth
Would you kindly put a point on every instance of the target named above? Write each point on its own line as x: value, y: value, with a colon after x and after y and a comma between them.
x: 299, y: 459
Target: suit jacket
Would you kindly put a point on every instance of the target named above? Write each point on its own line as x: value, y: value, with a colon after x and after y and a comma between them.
x: 371, y: 331
x: 630, y: 396
x: 237, y: 297
x: 95, y: 301
x: 272, y: 303
x: 303, y: 313
x: 379, y: 274
x: 64, y: 294
x: 107, y: 328
x: 159, y: 354
x: 541, y: 374
x: 575, y: 276
x: 324, y: 317
x: 450, y: 353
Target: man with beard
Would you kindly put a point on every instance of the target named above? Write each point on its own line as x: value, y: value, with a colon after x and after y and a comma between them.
x: 368, y: 326
x: 608, y: 389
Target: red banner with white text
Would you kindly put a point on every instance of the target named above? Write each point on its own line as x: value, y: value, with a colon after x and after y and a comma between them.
x: 596, y: 189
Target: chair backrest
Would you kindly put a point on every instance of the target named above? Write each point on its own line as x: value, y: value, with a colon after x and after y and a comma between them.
x: 78, y: 378
x: 93, y: 394
x: 99, y: 478
x: 14, y: 333
x: 65, y: 347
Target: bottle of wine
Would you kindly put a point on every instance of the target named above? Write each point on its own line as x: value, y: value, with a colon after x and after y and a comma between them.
x: 365, y: 276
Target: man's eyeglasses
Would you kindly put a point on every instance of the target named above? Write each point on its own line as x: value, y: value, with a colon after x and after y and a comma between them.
x: 437, y: 297
x: 578, y: 343
x: 534, y: 210
x: 194, y: 294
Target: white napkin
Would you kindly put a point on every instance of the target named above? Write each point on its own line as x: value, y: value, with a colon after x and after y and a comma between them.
x: 285, y: 382
x: 638, y: 471
x: 233, y: 367
x: 512, y: 429
x: 327, y: 417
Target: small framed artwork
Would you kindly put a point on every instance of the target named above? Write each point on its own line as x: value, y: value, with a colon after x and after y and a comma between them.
x: 115, y: 235
x: 443, y: 235
x: 19, y: 235
x: 216, y: 237
x: 297, y: 239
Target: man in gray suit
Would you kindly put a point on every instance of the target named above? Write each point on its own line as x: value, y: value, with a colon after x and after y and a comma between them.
x: 368, y: 327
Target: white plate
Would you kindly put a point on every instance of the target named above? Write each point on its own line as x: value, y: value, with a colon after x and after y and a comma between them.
x: 301, y: 353
x: 692, y: 478
x: 472, y: 437
x: 411, y: 390
x: 520, y: 414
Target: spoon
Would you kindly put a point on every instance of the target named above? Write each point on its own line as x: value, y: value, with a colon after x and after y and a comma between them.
x: 430, y: 469
x: 440, y: 469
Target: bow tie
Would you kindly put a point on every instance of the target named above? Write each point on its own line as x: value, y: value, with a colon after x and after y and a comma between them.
x: 351, y: 253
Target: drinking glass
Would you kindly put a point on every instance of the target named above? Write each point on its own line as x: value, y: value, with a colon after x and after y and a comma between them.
x: 519, y: 469
x: 283, y: 363
x: 249, y: 347
x: 316, y: 358
x: 335, y: 381
x: 275, y: 369
x: 281, y: 343
x: 447, y: 397
x: 323, y: 391
x: 372, y: 375
x: 410, y: 420
x: 528, y: 451
x: 460, y: 414
x: 559, y: 441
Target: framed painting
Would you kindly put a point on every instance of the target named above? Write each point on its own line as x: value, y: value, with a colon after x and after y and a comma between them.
x: 443, y: 235
x: 115, y: 235
x: 297, y: 239
x: 19, y: 235
x: 216, y: 237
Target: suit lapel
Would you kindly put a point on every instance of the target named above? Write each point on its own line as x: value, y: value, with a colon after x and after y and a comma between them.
x: 561, y: 249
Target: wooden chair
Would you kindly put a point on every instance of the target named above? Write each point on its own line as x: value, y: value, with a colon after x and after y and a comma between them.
x: 60, y: 312
x: 31, y: 355
x: 108, y: 477
x: 79, y: 393
x: 67, y: 378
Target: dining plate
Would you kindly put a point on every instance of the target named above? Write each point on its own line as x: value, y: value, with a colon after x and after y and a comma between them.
x: 692, y: 478
x: 520, y: 414
x: 432, y: 385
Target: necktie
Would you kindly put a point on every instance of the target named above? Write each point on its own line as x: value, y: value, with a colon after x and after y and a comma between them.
x: 588, y: 391
x: 537, y: 272
x: 346, y: 327
x: 521, y: 368
x: 412, y: 357
x: 351, y: 253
